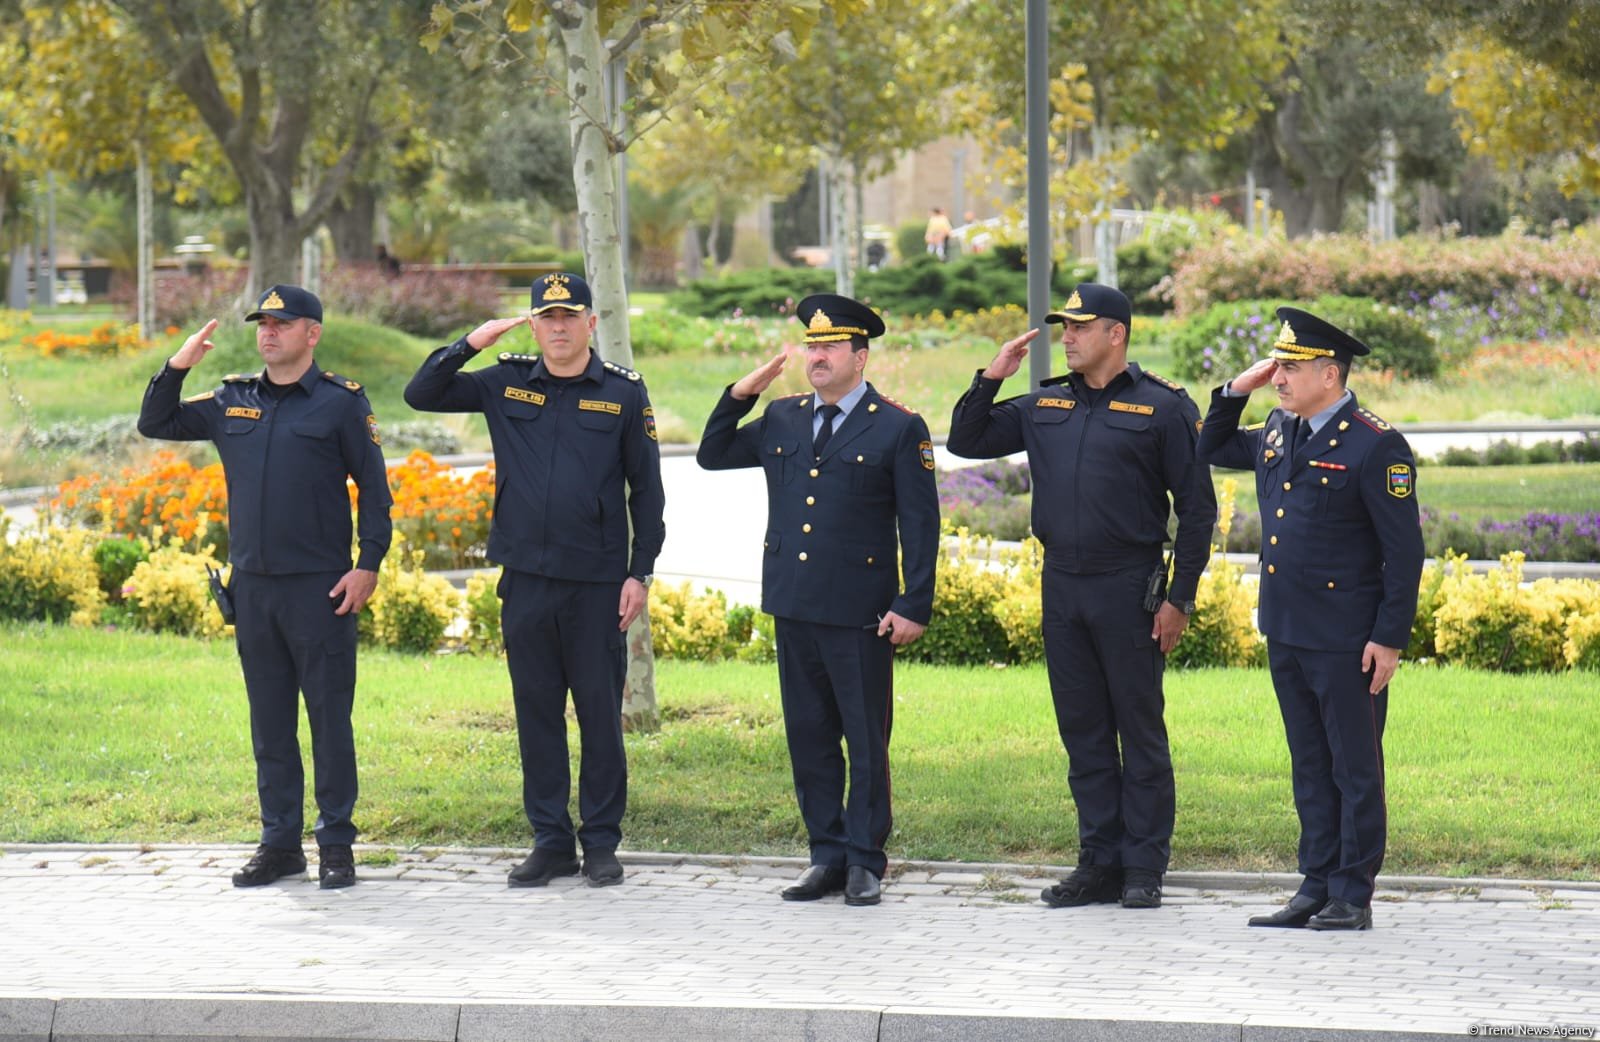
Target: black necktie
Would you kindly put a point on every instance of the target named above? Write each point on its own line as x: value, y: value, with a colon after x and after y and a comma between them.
x: 1302, y: 436
x: 826, y: 430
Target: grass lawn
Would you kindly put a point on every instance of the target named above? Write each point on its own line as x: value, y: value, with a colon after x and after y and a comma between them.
x: 121, y: 736
x: 1503, y: 493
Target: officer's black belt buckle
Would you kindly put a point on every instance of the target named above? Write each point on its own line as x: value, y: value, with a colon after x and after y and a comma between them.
x: 221, y: 594
x: 1155, y: 588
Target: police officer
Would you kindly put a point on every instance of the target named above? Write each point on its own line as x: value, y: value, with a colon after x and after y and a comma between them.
x: 289, y: 437
x: 575, y: 457
x: 845, y: 467
x: 1107, y: 445
x: 1341, y: 558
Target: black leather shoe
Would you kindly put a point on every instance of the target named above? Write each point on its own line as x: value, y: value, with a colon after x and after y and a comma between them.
x: 1088, y: 884
x: 861, y: 886
x: 1141, y: 888
x: 1295, y: 914
x: 541, y: 866
x: 270, y: 864
x: 601, y: 868
x: 336, y: 866
x: 1341, y: 915
x: 816, y: 881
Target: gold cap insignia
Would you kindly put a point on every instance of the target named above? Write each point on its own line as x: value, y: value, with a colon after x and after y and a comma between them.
x: 273, y: 302
x: 554, y: 290
x: 1074, y: 301
x: 1286, y: 334
x: 820, y: 320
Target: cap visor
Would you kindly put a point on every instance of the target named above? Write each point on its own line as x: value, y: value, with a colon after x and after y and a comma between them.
x: 255, y: 316
x: 1070, y: 316
x: 541, y: 309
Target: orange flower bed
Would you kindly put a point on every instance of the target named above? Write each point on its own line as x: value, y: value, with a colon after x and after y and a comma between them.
x: 105, y: 339
x: 436, y: 508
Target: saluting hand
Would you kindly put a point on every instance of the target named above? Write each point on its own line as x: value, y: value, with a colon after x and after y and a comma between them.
x: 194, y: 348
x: 760, y: 378
x: 1009, y: 360
x: 1258, y: 375
x: 492, y: 330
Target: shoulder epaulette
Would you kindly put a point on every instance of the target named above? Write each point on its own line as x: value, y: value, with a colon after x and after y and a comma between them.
x: 240, y: 378
x: 621, y: 370
x: 1164, y: 382
x: 1254, y: 426
x: 349, y: 385
x: 512, y: 356
x: 202, y: 396
x: 1372, y: 420
x: 908, y: 410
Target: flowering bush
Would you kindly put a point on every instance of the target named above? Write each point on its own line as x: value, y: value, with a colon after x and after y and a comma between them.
x: 422, y: 303
x: 1492, y: 621
x: 1222, y: 630
x: 687, y: 625
x: 169, y: 499
x: 441, y: 512
x: 411, y: 609
x: 1227, y: 338
x: 185, y: 301
x: 483, y: 614
x: 991, y: 498
x: 1538, y: 536
x: 107, y: 340
x: 168, y: 593
x: 49, y: 575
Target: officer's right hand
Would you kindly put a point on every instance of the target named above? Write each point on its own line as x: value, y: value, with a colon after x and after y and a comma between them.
x: 492, y: 330
x: 1257, y: 376
x: 194, y: 348
x: 1009, y: 360
x: 760, y: 378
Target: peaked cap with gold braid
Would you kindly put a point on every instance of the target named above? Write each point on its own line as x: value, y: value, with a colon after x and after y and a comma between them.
x: 1304, y: 336
x: 829, y: 317
x: 287, y: 303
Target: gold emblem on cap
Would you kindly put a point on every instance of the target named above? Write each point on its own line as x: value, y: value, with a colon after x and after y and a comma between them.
x: 273, y: 301
x: 820, y: 320
x: 1074, y: 301
x: 555, y: 289
x: 1286, y: 334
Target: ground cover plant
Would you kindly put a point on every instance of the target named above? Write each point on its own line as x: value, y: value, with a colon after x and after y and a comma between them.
x: 131, y: 737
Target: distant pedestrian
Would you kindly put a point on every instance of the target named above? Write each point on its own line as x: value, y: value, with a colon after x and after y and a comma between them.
x: 1341, y: 559
x: 851, y: 503
x: 937, y: 235
x: 289, y: 437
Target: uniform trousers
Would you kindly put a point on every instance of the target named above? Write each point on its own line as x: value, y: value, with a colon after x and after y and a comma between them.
x: 1105, y: 678
x: 837, y: 684
x: 291, y: 643
x: 561, y: 635
x: 1334, y: 725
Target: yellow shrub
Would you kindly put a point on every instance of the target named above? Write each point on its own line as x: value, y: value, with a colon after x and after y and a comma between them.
x: 169, y: 593
x: 687, y: 625
x: 483, y: 614
x: 1492, y: 621
x: 1582, y: 647
x: 1430, y: 594
x: 964, y: 629
x: 50, y: 574
x: 411, y: 609
x: 1222, y: 630
x: 1020, y: 609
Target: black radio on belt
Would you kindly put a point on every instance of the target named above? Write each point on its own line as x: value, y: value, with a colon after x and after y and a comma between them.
x: 221, y: 594
x: 1155, y: 588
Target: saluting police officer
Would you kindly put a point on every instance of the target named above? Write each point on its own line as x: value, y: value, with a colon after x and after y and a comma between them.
x: 1341, y: 558
x: 1107, y: 445
x: 574, y: 447
x: 846, y: 467
x: 289, y: 437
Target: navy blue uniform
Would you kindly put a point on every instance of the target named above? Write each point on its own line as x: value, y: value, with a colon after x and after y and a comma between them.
x: 1341, y: 559
x: 286, y: 459
x: 574, y: 459
x: 1104, y: 464
x: 830, y: 572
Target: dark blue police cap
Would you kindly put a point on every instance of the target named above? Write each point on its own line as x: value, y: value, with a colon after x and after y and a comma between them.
x: 288, y: 303
x: 1091, y: 301
x: 829, y: 317
x: 1304, y: 336
x: 561, y: 290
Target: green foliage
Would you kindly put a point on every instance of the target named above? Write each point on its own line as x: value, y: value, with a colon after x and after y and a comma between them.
x: 1227, y: 338
x: 908, y: 239
x: 762, y: 292
x: 664, y: 331
x: 115, y: 559
x: 49, y: 575
x: 1493, y: 621
x: 483, y: 615
x: 684, y: 624
x: 1222, y: 630
x: 168, y: 592
x: 752, y: 634
x: 967, y: 586
x: 411, y: 609
x: 1509, y: 453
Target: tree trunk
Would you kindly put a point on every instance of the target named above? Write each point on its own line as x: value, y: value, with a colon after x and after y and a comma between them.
x: 593, y: 173
x: 838, y: 228
x: 350, y: 221
x: 143, y: 268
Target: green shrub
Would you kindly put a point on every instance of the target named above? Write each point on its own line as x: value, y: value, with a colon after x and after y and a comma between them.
x: 115, y: 559
x: 483, y: 614
x: 909, y: 241
x: 1222, y: 630
x: 760, y: 293
x: 1227, y: 338
x: 1141, y: 265
x: 430, y: 436
x: 752, y: 634
x: 964, y: 630
x: 411, y: 609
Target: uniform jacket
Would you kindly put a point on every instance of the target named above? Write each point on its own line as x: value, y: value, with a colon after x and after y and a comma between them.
x: 1102, y: 472
x: 569, y: 457
x: 285, y: 462
x: 831, y: 523
x: 1341, y: 543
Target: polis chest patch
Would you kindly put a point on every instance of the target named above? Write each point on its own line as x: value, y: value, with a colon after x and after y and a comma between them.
x: 588, y: 405
x: 518, y: 394
x: 1056, y: 403
x: 243, y: 411
x: 1142, y: 410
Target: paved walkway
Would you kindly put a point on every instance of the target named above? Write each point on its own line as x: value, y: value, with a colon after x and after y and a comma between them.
x: 124, y: 942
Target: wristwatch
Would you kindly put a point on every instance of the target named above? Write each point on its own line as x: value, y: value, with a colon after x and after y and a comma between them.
x: 646, y: 580
x: 1187, y: 607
